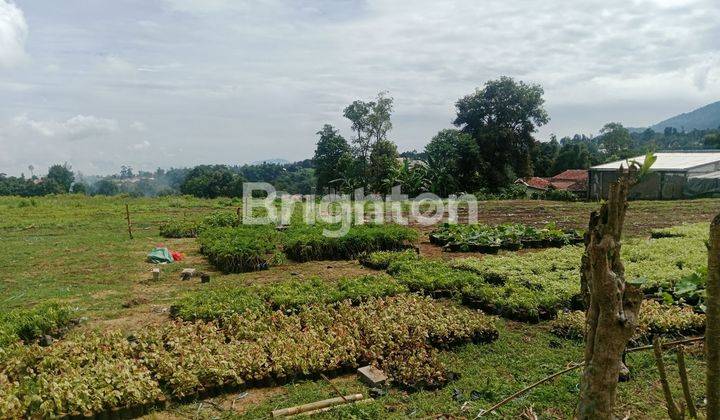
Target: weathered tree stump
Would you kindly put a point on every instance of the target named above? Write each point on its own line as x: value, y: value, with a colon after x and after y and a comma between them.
x: 612, y: 304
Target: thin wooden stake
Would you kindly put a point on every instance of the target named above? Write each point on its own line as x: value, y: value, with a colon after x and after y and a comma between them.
x: 685, y: 383
x: 127, y: 216
x: 673, y: 410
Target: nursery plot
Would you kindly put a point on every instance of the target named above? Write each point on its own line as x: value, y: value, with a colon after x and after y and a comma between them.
x: 307, y: 242
x: 241, y: 249
x: 655, y: 319
x: 94, y: 372
x: 510, y: 236
x: 529, y: 287
x: 218, y: 302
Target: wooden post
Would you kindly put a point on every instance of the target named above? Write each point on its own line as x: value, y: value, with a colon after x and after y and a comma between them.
x: 127, y: 216
x: 612, y: 304
x: 712, y: 323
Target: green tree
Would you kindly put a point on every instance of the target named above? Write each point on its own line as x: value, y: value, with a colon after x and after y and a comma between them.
x: 358, y: 113
x: 211, y: 181
x: 571, y: 156
x: 383, y: 164
x: 371, y: 121
x: 80, y: 188
x: 616, y: 140
x: 454, y: 162
x: 60, y: 177
x: 712, y: 140
x: 105, y: 187
x: 502, y: 118
x: 330, y: 154
x: 544, y: 156
x: 379, y: 123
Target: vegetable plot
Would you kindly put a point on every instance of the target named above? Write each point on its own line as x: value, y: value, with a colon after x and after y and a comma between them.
x: 511, y: 236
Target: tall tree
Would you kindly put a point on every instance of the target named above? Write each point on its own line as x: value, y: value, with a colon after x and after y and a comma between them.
x: 454, y: 162
x: 544, y: 156
x: 358, y: 113
x: 379, y: 119
x: 331, y: 152
x: 383, y: 165
x: 616, y: 139
x: 61, y: 175
x: 502, y: 118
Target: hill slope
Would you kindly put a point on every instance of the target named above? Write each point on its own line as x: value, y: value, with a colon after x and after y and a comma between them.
x: 701, y: 119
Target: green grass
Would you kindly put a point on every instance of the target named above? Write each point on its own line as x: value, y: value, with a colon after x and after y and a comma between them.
x: 241, y: 249
x: 491, y: 239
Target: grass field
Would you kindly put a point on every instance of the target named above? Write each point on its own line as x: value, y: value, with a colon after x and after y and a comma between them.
x: 76, y: 251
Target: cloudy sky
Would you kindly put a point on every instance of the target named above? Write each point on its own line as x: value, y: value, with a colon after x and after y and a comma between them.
x: 102, y: 83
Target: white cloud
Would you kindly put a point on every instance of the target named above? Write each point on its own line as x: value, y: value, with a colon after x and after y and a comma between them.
x: 13, y: 32
x: 78, y: 127
x: 140, y: 146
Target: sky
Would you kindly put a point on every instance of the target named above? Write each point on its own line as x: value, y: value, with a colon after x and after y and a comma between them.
x: 173, y: 83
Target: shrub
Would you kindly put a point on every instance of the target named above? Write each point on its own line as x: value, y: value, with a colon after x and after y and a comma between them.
x: 307, y: 243
x: 179, y: 229
x: 241, y: 249
x: 30, y: 324
x: 381, y: 260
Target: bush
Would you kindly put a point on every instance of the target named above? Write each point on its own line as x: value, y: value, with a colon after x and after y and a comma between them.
x: 491, y: 239
x: 241, y: 249
x: 381, y: 260
x: 97, y: 371
x: 307, y: 243
x: 179, y: 229
x: 30, y: 324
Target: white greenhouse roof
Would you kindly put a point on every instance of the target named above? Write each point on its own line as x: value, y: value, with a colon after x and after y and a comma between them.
x: 711, y: 175
x: 668, y: 161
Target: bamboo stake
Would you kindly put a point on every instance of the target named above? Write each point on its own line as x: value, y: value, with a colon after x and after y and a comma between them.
x: 684, y: 381
x: 315, y: 405
x: 127, y: 216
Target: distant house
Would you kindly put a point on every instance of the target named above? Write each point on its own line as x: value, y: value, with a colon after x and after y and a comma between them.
x: 674, y: 175
x: 573, y: 180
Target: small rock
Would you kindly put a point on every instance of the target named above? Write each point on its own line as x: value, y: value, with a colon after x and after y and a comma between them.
x: 156, y: 274
x: 187, y: 273
x: 372, y: 376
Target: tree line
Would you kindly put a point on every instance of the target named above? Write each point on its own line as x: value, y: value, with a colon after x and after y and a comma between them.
x: 493, y: 142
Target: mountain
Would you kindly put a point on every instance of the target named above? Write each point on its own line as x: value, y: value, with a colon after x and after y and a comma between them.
x: 703, y: 118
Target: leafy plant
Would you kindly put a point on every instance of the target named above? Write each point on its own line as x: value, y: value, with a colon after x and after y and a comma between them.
x: 241, y: 249
x: 491, y: 239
